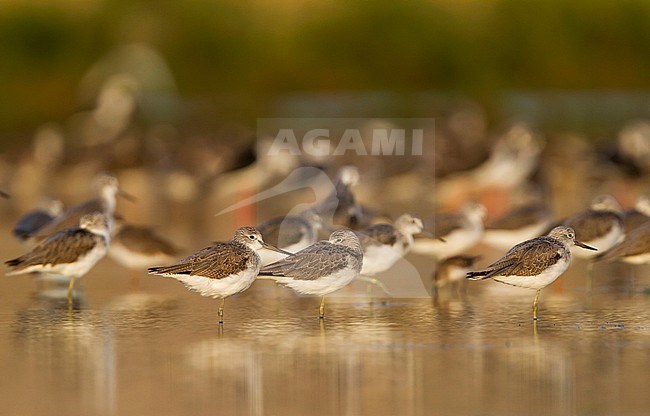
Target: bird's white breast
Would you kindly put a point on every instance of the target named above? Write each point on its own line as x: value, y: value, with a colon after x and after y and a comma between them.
x: 377, y: 259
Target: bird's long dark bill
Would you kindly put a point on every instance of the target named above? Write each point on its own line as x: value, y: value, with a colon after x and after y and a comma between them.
x: 126, y: 196
x: 583, y: 245
x: 270, y: 247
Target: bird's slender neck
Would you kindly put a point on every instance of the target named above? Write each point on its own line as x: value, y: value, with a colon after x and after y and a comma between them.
x: 474, y: 217
x: 108, y: 199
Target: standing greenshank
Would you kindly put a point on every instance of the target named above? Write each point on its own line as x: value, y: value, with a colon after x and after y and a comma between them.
x: 222, y: 269
x: 321, y: 268
x: 535, y: 263
x: 71, y: 252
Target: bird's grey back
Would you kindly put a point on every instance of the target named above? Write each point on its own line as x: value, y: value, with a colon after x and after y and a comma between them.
x: 320, y: 259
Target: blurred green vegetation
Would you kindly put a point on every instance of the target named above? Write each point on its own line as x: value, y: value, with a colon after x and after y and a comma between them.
x: 247, y: 52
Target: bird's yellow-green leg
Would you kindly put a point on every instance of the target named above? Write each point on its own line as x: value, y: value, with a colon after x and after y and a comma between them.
x: 372, y: 280
x: 535, y: 304
x: 70, y: 286
x: 321, y: 310
x: 223, y: 301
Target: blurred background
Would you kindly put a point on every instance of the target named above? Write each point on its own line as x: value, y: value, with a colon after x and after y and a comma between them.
x: 178, y: 87
x: 237, y: 60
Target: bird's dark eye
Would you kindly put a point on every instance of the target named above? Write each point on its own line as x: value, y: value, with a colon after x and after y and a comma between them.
x: 252, y: 237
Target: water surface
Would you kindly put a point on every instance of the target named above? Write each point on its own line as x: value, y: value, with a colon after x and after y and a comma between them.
x: 155, y: 349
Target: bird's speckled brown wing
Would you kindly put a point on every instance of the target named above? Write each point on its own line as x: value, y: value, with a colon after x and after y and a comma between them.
x: 525, y: 259
x: 63, y: 247
x: 217, y: 261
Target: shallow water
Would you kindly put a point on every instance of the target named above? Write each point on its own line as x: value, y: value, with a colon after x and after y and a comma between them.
x: 148, y: 346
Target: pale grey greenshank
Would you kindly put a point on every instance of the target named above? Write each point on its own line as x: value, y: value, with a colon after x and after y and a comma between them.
x: 321, y: 268
x: 535, y: 263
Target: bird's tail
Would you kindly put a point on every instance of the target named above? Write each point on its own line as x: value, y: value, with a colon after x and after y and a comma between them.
x: 168, y: 270
x: 479, y: 275
x: 266, y: 277
x: 13, y: 262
